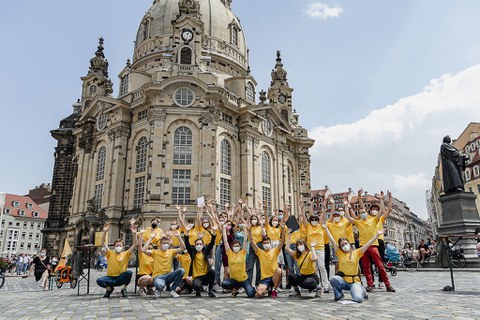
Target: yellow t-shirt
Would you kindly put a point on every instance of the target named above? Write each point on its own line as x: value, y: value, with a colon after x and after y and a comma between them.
x: 185, y: 261
x: 237, y: 264
x: 218, y: 237
x: 117, y: 262
x: 272, y: 232
x: 296, y: 235
x: 339, y: 229
x: 192, y: 235
x: 145, y: 265
x: 308, y: 266
x: 162, y: 261
x: 257, y: 234
x: 349, y: 266
x: 155, y: 241
x: 200, y: 267
x: 268, y: 262
x: 175, y: 241
x: 350, y: 235
x: 207, y: 237
x: 367, y: 229
x: 379, y: 227
x: 315, y: 235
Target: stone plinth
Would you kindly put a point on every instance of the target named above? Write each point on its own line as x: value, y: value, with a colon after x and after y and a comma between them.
x: 459, y: 214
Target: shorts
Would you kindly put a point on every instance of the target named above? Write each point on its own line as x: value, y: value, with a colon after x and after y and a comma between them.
x: 267, y: 282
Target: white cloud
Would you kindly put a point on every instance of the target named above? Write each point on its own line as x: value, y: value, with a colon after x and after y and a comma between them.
x: 396, y: 147
x: 323, y: 11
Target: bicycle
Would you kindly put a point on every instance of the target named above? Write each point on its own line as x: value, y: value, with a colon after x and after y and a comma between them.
x: 407, y: 262
x: 457, y: 257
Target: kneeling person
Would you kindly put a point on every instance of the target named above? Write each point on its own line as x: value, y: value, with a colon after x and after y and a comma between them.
x: 117, y: 273
x: 162, y: 265
x: 305, y: 259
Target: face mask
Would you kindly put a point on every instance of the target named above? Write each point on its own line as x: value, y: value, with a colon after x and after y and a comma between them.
x: 173, y: 227
x: 374, y: 212
x: 336, y: 219
x: 342, y: 213
x: 280, y: 216
x: 229, y: 227
x: 165, y: 246
x: 206, y: 224
x: 154, y: 225
x: 267, y: 246
x: 198, y: 247
x: 301, y: 248
x: 363, y: 216
x: 241, y: 226
x: 274, y: 223
x: 190, y: 225
x: 346, y: 247
x: 236, y: 249
x: 118, y: 249
x: 221, y: 222
x: 42, y: 254
x: 254, y: 222
x: 314, y: 223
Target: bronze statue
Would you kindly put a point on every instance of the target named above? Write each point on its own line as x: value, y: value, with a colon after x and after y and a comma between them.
x: 453, y: 165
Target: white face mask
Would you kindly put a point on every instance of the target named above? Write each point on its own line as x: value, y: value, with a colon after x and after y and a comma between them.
x: 336, y: 219
x: 363, y: 216
x: 118, y: 249
x: 274, y: 223
x: 190, y: 226
x: 206, y: 224
x: 280, y: 216
x: 174, y: 227
x: 346, y: 247
x: 314, y: 223
x: 374, y: 212
x: 236, y: 249
x: 301, y: 248
x: 165, y: 246
x: 42, y: 254
x: 267, y: 246
x: 198, y: 247
x: 254, y: 222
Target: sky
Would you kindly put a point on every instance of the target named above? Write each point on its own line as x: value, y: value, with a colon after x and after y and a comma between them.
x: 377, y: 83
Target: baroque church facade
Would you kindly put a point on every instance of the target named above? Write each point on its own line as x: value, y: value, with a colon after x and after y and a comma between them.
x: 184, y: 124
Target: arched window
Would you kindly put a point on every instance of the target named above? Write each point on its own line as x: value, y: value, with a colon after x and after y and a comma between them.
x: 146, y: 29
x: 234, y: 36
x: 182, y: 146
x: 289, y: 178
x: 225, y: 157
x: 284, y: 113
x: 266, y: 168
x: 142, y: 146
x: 250, y: 92
x: 101, y: 158
x: 186, y: 56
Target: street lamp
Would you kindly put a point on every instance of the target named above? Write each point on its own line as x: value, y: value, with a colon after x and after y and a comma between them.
x: 3, y: 196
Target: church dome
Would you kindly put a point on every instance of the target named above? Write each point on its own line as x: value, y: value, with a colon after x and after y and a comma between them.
x: 222, y: 35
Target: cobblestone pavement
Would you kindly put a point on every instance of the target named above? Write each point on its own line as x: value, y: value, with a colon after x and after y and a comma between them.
x: 418, y: 296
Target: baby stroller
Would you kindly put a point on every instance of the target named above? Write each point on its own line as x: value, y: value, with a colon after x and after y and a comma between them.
x: 392, y: 257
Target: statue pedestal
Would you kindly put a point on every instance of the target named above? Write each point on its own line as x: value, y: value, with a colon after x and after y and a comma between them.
x: 459, y: 217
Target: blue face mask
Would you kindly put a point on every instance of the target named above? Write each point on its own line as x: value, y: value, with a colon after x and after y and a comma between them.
x: 363, y: 216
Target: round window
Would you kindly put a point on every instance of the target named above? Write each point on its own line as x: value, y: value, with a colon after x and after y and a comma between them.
x: 184, y: 97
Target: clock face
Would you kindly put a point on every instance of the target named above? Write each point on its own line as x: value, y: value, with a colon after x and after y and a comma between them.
x: 282, y: 98
x: 187, y: 35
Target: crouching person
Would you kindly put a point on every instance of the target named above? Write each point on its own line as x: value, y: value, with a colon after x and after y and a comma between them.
x: 117, y: 273
x: 305, y: 259
x: 162, y: 265
x: 347, y: 276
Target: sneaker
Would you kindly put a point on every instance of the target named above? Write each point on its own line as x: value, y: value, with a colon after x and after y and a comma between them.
x: 391, y: 289
x: 295, y: 293
x: 124, y: 292
x: 158, y: 294
x: 142, y: 292
x: 211, y: 294
x: 341, y: 297
x: 279, y: 290
x: 369, y: 288
x: 150, y: 291
x: 274, y: 294
x: 380, y: 285
x: 319, y: 293
x: 174, y: 294
x: 216, y: 287
x: 326, y: 291
x: 108, y: 293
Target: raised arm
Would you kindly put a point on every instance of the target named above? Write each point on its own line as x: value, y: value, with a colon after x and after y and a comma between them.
x: 371, y: 241
x: 225, y: 238
x: 145, y: 246
x: 348, y: 215
x: 133, y: 228
x: 301, y: 214
x: 180, y: 217
x: 287, y: 245
x: 252, y: 243
x: 332, y: 240
x: 360, y: 200
x: 106, y: 226
x: 182, y: 243
x: 282, y: 238
x: 389, y: 208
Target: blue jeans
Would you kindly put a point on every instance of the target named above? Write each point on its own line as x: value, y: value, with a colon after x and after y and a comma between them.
x: 356, y: 290
x: 123, y: 279
x: 229, y: 284
x: 174, y: 278
x: 252, y: 260
x: 218, y: 262
x: 291, y: 264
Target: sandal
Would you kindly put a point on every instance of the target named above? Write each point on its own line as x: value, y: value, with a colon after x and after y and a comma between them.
x: 46, y: 289
x: 234, y: 293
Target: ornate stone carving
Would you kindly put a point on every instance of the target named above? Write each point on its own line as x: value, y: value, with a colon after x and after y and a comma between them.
x: 157, y: 116
x: 189, y: 7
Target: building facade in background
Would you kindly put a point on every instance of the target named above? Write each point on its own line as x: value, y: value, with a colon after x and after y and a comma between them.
x: 185, y: 123
x: 21, y: 226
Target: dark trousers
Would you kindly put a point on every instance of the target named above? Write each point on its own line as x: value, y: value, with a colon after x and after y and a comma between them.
x: 230, y: 284
x: 122, y: 279
x: 309, y: 282
x: 253, y: 261
x: 206, y: 279
x: 327, y: 259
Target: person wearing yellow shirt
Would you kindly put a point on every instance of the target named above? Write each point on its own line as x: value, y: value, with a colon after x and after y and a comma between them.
x: 347, y: 276
x: 145, y: 269
x: 367, y: 227
x: 200, y: 269
x: 252, y: 259
x: 155, y: 227
x: 237, y: 258
x: 162, y: 265
x: 271, y: 274
x: 185, y: 261
x: 117, y: 273
x: 218, y: 251
x: 339, y: 227
x: 306, y: 277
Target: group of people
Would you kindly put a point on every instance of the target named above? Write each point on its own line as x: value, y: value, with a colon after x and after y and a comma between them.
x: 188, y: 257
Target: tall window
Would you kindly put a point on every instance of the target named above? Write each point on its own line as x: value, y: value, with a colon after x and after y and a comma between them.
x: 182, y: 146
x: 289, y: 178
x: 102, y: 155
x: 138, y: 192
x: 124, y: 85
x: 284, y: 113
x: 186, y: 56
x: 224, y: 191
x: 234, y: 36
x: 267, y: 198
x: 181, y: 186
x: 146, y: 29
x: 225, y: 157
x: 98, y: 196
x: 142, y: 146
x: 250, y: 92
x: 266, y: 168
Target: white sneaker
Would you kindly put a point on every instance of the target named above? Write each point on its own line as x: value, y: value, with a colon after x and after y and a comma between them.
x: 141, y: 292
x: 174, y: 294
x: 158, y: 294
